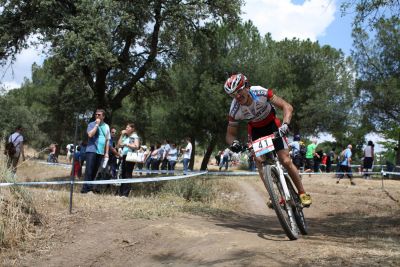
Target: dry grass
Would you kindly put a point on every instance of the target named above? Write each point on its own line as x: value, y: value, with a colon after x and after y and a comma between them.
x: 18, y: 213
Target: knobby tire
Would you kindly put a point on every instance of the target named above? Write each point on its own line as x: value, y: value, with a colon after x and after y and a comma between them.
x: 274, y: 188
x: 297, y: 208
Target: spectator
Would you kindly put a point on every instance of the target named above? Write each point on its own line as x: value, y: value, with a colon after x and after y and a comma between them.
x: 218, y: 157
x: 345, y: 165
x: 252, y: 162
x: 97, y: 148
x: 187, y: 153
x: 225, y: 159
x: 52, y: 154
x: 70, y: 152
x: 129, y: 141
x: 113, y: 153
x: 330, y: 159
x: 317, y: 160
x: 77, y: 162
x: 296, y: 156
x: 164, y: 159
x: 368, y: 159
x: 310, y: 155
x: 324, y: 160
x: 18, y: 140
x: 148, y: 159
x: 156, y: 157
x: 83, y: 146
x: 172, y: 157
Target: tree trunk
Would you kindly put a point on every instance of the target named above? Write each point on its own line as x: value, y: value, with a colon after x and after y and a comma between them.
x: 207, y: 156
x: 192, y: 157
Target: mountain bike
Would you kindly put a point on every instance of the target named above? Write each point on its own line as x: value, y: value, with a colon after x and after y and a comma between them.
x: 284, y: 197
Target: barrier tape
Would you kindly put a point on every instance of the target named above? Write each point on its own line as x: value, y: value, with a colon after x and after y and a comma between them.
x: 393, y: 173
x: 111, y: 181
x: 64, y: 165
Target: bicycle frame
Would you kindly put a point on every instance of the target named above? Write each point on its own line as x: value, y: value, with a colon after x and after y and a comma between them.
x: 283, y: 180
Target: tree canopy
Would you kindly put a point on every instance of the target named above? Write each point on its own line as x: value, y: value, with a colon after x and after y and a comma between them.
x: 113, y: 45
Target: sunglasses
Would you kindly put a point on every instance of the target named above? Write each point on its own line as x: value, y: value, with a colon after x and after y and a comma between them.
x: 113, y: 132
x: 98, y: 114
x: 238, y: 92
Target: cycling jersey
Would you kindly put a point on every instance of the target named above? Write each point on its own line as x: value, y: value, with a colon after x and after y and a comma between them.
x: 259, y: 113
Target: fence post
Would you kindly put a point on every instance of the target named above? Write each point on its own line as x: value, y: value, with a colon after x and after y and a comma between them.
x: 73, y: 165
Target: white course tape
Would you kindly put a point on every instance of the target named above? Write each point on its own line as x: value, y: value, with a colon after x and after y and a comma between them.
x: 167, y: 178
x: 394, y: 173
x: 232, y: 173
x: 111, y: 181
x: 64, y: 165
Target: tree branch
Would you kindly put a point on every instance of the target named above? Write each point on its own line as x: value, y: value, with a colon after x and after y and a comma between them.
x: 126, y: 89
x: 88, y: 76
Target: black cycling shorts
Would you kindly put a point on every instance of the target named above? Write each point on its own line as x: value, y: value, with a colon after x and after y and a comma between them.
x: 279, y: 143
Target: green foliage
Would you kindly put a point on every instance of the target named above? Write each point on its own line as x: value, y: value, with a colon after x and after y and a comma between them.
x: 377, y: 55
x: 112, y: 45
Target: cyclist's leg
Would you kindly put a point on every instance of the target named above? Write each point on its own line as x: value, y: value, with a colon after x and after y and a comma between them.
x: 285, y: 160
x: 259, y: 165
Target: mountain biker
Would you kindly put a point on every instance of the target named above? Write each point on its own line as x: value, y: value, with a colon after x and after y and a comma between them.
x: 257, y: 104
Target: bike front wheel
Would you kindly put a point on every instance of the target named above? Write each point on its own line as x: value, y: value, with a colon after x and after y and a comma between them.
x: 297, y: 207
x: 283, y: 208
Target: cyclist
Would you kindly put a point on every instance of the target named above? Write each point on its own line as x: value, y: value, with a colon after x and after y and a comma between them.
x: 257, y: 104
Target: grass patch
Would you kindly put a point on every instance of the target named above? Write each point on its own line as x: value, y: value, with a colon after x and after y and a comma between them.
x: 194, y: 195
x: 17, y: 210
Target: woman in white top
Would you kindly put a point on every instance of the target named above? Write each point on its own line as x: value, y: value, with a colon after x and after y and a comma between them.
x: 172, y: 157
x: 187, y: 152
x: 368, y: 159
x: 129, y: 142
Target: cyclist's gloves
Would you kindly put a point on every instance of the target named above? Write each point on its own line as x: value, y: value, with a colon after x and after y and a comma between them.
x: 236, y: 146
x: 284, y: 129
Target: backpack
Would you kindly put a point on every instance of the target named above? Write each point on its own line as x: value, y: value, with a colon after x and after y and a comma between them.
x: 341, y: 156
x: 9, y: 148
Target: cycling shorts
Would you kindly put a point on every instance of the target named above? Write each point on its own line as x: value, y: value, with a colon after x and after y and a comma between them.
x: 258, y: 132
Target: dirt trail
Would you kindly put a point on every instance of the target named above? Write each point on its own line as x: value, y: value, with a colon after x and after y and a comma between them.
x: 249, y: 238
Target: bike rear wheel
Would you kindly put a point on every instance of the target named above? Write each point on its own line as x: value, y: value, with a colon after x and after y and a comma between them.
x: 297, y: 207
x: 283, y: 209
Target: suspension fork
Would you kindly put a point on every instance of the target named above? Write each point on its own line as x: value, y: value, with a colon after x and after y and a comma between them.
x: 283, y: 181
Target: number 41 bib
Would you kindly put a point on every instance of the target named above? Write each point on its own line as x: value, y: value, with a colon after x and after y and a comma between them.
x: 263, y: 145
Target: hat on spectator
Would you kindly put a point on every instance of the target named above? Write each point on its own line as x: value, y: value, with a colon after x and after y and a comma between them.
x: 296, y: 137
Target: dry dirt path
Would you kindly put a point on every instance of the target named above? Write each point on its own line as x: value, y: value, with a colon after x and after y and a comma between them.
x: 339, y: 236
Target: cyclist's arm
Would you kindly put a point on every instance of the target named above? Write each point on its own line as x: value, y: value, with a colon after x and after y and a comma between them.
x: 284, y: 106
x: 231, y: 133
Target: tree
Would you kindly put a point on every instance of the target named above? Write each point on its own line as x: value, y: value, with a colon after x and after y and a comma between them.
x: 316, y: 80
x: 376, y: 34
x: 114, y: 45
x: 49, y: 107
x: 198, y: 105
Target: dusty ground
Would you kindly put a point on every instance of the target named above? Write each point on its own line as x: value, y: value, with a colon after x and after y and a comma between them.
x: 348, y: 226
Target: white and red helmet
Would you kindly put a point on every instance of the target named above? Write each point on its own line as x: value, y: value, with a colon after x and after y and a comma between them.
x: 235, y: 83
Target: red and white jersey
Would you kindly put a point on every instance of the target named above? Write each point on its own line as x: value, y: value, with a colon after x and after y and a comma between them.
x: 259, y: 113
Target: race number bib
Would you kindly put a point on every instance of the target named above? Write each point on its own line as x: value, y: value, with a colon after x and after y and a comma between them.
x: 263, y: 145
